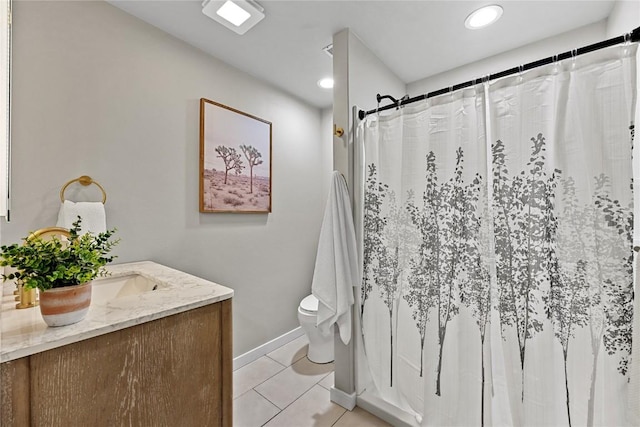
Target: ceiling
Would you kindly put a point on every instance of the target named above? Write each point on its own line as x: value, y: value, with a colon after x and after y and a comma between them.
x: 416, y: 39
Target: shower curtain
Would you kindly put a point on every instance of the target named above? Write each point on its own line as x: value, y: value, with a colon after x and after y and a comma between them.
x: 497, y: 233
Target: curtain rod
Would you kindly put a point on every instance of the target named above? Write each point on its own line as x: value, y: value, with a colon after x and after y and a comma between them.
x: 634, y: 36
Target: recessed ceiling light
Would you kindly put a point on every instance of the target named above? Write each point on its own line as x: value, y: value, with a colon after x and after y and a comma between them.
x: 233, y: 13
x: 326, y: 83
x: 483, y: 17
x: 237, y: 15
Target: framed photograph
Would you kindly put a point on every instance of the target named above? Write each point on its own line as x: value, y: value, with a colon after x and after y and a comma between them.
x: 235, y: 160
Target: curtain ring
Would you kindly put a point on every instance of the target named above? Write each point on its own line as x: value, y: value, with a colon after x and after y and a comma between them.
x: 625, y: 44
x: 520, y: 71
x: 485, y: 82
x: 574, y: 56
x: 401, y: 100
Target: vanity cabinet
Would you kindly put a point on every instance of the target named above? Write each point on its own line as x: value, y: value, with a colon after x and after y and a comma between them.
x: 173, y: 371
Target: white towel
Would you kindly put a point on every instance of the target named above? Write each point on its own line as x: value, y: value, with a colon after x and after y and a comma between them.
x: 93, y: 216
x: 336, y: 271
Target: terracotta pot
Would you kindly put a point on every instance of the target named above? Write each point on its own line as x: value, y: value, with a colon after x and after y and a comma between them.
x: 65, y: 306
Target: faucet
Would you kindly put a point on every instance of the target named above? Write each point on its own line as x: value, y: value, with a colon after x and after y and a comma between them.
x: 26, y: 297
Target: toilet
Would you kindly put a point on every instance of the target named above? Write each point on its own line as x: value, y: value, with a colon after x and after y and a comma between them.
x: 320, y: 347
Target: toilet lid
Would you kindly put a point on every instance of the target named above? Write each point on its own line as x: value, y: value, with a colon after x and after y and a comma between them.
x: 309, y: 304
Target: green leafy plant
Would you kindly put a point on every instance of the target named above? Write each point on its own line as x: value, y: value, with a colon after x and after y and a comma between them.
x: 54, y: 263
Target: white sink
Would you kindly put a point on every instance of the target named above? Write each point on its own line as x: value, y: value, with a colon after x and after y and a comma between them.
x: 111, y: 288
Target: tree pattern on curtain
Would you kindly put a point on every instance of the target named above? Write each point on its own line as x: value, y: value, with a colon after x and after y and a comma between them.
x: 475, y: 291
x: 373, y: 225
x: 566, y: 270
x: 524, y: 225
x: 568, y: 302
x: 390, y: 267
x: 432, y: 280
x: 382, y: 251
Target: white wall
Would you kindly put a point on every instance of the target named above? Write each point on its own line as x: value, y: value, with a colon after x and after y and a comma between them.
x: 532, y: 52
x: 358, y: 76
x: 624, y: 17
x: 99, y: 92
x: 369, y: 76
x: 327, y: 146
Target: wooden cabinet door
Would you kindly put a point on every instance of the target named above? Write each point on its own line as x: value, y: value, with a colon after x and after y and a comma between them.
x: 168, y: 372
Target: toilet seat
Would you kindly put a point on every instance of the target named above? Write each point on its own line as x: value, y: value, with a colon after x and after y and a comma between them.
x: 320, y: 346
x: 309, y: 305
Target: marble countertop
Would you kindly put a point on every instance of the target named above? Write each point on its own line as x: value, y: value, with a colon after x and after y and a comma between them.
x: 23, y: 332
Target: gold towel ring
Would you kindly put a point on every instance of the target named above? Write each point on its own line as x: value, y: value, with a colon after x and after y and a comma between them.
x: 84, y: 180
x: 47, y: 233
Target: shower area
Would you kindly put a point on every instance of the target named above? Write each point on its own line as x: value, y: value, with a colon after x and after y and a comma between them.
x: 496, y: 224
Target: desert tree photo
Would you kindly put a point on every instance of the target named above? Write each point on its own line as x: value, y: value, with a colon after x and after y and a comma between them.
x: 253, y: 157
x: 235, y: 160
x: 231, y: 160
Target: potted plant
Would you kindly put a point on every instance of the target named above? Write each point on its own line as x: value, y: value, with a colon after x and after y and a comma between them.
x: 62, y: 270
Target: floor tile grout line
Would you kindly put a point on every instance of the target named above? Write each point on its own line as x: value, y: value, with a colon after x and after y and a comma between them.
x: 269, y: 357
x: 305, y: 353
x: 267, y: 399
x: 264, y: 355
x: 254, y: 361
x: 256, y: 391
x: 340, y: 417
x: 271, y: 403
x: 274, y: 404
x: 252, y: 388
x: 296, y: 399
x: 302, y: 394
x: 291, y: 366
x: 292, y: 363
x: 284, y: 367
x: 258, y: 385
x: 240, y: 395
x: 267, y: 422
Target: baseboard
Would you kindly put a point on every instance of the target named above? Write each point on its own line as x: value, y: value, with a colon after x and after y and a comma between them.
x: 258, y: 352
x: 347, y: 401
x: 385, y: 411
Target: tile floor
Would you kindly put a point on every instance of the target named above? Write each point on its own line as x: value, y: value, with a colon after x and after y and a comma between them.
x: 285, y: 389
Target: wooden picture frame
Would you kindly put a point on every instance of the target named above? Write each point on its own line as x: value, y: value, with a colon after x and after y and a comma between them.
x: 235, y: 160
